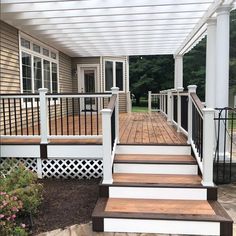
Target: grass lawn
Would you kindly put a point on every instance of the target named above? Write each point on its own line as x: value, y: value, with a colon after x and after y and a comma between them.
x: 139, y: 109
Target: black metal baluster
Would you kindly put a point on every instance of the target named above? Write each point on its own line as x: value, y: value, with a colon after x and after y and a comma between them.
x: 4, y: 116
x: 55, y: 116
x: 103, y: 102
x: 26, y: 116
x: 21, y: 118
x: 79, y: 116
x: 91, y: 115
x: 85, y: 117
x: 231, y: 147
x: 37, y: 101
x: 49, y: 114
x: 61, y: 116
x: 67, y: 116
x: 73, y: 114
x: 15, y: 116
x: 9, y: 114
x: 32, y: 114
x: 97, y: 116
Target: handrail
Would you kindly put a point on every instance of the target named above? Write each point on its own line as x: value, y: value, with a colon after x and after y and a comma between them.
x: 197, y: 102
x: 112, y: 102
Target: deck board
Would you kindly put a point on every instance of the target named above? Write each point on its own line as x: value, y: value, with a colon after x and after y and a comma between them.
x: 135, y: 128
x: 192, y: 207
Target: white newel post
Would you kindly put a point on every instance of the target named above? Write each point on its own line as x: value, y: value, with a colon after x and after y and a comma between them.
x: 179, y: 90
x: 211, y: 63
x: 172, y: 104
x: 208, y: 146
x: 169, y: 105
x: 161, y: 99
x: 164, y: 102
x: 115, y: 90
x: 43, y: 115
x: 149, y: 101
x: 191, y: 89
x: 106, y: 138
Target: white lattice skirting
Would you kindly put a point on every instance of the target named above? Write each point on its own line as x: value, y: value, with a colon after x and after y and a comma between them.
x: 63, y: 168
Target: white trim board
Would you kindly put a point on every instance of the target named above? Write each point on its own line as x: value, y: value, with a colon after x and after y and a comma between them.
x: 20, y: 150
x: 158, y: 193
x: 156, y: 168
x: 149, y: 149
x: 161, y: 226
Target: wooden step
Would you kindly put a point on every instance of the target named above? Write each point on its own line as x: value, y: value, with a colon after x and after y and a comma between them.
x: 161, y: 216
x: 156, y: 179
x: 154, y: 159
x: 152, y: 186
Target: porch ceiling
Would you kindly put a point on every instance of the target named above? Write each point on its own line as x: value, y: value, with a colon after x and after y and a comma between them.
x: 113, y: 27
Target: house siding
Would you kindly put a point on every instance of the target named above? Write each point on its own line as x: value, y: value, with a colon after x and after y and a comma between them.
x: 9, y: 59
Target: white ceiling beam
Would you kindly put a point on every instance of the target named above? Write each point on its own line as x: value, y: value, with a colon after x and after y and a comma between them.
x: 189, y: 40
x: 85, y: 5
x: 112, y: 12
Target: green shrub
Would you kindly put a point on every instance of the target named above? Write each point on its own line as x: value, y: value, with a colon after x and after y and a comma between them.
x: 21, y: 187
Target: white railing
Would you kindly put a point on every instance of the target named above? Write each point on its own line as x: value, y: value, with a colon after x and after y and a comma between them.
x: 187, y: 113
x: 154, y: 101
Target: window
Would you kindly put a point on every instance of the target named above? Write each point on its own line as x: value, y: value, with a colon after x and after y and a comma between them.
x: 38, y: 69
x: 114, y: 75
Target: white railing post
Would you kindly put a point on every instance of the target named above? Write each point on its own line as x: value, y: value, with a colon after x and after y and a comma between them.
x: 161, y: 101
x: 43, y: 115
x: 208, y: 146
x: 191, y: 89
x: 106, y: 142
x: 179, y: 90
x: 164, y: 102
x: 149, y: 101
x: 115, y: 90
x: 169, y: 105
x: 172, y: 104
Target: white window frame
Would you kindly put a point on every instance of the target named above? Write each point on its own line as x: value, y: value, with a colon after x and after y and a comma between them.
x: 40, y: 55
x: 114, y: 73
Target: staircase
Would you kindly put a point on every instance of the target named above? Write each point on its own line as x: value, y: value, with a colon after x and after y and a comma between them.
x: 157, y: 189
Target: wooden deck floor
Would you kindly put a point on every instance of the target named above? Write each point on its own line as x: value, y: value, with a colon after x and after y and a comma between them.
x: 135, y: 128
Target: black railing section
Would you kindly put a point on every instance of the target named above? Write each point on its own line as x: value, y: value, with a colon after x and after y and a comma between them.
x: 197, y: 129
x: 75, y: 115
x: 184, y: 112
x: 166, y: 103
x: 20, y: 116
x: 155, y: 102
x: 225, y: 143
x: 175, y: 107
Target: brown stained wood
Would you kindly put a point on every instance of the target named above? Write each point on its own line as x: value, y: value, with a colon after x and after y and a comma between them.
x: 189, y: 207
x: 156, y: 179
x: 135, y: 128
x: 155, y: 158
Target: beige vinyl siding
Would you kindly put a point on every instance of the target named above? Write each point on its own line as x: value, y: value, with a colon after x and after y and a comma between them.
x: 65, y: 73
x: 9, y: 59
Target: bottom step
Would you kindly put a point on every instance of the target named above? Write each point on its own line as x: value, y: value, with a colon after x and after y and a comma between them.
x: 161, y: 216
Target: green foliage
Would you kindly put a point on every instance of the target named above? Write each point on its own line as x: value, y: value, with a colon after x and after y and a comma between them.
x: 21, y: 186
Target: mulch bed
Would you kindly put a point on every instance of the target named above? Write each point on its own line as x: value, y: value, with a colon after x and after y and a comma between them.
x: 66, y: 202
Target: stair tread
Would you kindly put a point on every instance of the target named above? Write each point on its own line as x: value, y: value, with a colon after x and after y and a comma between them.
x: 160, y: 209
x: 148, y: 159
x: 162, y: 179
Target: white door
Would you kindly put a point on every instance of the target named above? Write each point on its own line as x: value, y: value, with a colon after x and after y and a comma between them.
x: 89, y: 86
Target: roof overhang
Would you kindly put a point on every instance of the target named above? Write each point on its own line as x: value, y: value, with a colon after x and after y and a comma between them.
x: 113, y: 27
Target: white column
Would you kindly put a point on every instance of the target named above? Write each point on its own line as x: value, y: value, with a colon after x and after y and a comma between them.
x: 149, y: 101
x: 222, y: 57
x: 43, y: 115
x: 208, y: 146
x: 191, y: 89
x: 179, y: 90
x: 115, y: 90
x: 106, y: 141
x: 169, y: 105
x: 178, y: 71
x: 164, y: 102
x: 211, y: 63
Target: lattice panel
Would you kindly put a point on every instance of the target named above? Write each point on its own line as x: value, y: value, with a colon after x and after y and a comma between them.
x: 29, y: 163
x: 72, y: 168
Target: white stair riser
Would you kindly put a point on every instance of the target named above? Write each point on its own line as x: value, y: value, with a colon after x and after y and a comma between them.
x: 160, y: 150
x: 155, y: 168
x: 158, y: 193
x: 161, y: 226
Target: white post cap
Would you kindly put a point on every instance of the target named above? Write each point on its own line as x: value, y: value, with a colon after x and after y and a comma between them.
x: 115, y: 89
x: 180, y: 89
x: 192, y: 88
x: 43, y: 90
